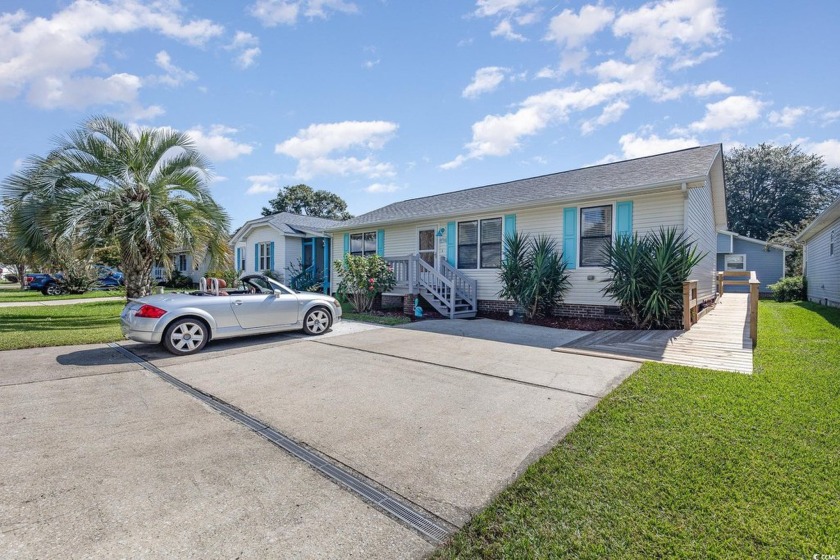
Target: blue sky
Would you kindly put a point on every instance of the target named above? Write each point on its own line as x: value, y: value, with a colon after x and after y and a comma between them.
x: 384, y: 100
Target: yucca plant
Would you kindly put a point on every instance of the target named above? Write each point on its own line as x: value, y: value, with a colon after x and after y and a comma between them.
x: 533, y: 274
x: 647, y: 275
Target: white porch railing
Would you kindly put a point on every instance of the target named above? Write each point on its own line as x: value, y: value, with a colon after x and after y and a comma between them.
x: 449, y: 290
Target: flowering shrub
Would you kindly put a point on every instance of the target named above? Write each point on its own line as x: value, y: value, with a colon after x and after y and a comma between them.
x: 362, y: 278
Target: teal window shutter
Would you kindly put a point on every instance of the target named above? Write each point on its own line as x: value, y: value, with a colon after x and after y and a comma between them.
x: 510, y: 226
x: 450, y: 243
x: 624, y: 218
x: 346, y: 243
x: 570, y: 237
x: 238, y: 258
x: 380, y: 242
x: 271, y: 256
x: 256, y: 257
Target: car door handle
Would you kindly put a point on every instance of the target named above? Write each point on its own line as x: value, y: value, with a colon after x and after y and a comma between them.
x: 237, y: 302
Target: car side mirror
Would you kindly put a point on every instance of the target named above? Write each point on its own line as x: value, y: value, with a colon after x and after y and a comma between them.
x: 278, y: 293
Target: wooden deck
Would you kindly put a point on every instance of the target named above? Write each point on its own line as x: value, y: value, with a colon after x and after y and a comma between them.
x: 720, y: 340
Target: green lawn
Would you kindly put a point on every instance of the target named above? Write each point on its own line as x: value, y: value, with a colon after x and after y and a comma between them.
x: 8, y: 295
x: 59, y: 325
x: 687, y: 463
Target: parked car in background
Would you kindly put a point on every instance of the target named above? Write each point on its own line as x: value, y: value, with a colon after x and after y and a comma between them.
x: 109, y: 279
x: 47, y: 284
x: 185, y: 322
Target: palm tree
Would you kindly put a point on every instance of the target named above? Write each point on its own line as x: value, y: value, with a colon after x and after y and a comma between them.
x: 146, y: 189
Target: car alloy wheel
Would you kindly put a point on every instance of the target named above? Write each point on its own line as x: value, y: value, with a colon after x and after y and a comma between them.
x: 317, y: 321
x: 185, y: 336
x: 54, y: 290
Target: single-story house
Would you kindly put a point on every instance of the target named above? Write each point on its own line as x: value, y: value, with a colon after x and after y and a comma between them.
x: 455, y: 239
x: 282, y: 243
x: 740, y: 253
x: 821, y: 256
x: 184, y: 263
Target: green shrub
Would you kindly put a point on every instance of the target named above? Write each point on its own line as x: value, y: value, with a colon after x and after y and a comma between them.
x: 179, y: 281
x: 533, y: 274
x: 362, y: 278
x: 229, y: 275
x: 647, y: 275
x: 791, y: 288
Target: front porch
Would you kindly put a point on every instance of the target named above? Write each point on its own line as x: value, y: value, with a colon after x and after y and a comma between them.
x: 448, y: 290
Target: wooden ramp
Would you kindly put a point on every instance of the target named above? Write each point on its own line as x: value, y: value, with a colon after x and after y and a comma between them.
x: 719, y: 340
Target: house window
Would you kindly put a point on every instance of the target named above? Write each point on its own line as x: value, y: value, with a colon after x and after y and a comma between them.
x: 491, y: 243
x: 735, y: 262
x: 180, y: 263
x: 264, y: 256
x: 363, y: 244
x: 241, y: 259
x: 480, y: 244
x: 595, y: 235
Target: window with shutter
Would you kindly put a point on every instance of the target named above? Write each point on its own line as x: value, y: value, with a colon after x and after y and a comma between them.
x: 595, y: 235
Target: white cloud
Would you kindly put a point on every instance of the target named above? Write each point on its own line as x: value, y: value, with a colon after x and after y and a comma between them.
x: 368, y: 64
x: 316, y: 146
x: 377, y: 188
x: 611, y: 113
x: 504, y: 29
x: 732, y: 112
x: 216, y: 143
x: 712, y: 88
x: 787, y: 117
x: 489, y: 8
x: 174, y: 75
x: 248, y: 49
x: 670, y: 29
x: 828, y: 149
x: 828, y: 117
x: 287, y: 12
x: 634, y: 146
x: 486, y: 79
x: 43, y: 57
x: 261, y: 184
x: 573, y: 30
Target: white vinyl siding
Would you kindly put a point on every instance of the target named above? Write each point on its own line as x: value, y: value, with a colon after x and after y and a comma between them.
x: 822, y: 268
x: 700, y: 227
x: 266, y: 234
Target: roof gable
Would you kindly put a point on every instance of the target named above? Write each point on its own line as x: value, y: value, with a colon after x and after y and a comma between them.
x: 286, y: 223
x: 693, y: 164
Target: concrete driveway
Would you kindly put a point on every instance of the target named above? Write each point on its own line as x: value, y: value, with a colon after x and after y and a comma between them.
x: 103, y: 457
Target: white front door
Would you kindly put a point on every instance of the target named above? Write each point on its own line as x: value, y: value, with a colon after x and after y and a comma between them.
x: 427, y: 244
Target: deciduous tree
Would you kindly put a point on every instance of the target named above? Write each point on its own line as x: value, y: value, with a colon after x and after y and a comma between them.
x: 303, y: 199
x: 768, y: 186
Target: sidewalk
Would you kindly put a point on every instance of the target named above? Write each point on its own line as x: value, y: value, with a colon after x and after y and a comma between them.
x: 59, y: 302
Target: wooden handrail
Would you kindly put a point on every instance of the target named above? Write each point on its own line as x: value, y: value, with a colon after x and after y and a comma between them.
x: 754, y: 285
x: 690, y: 303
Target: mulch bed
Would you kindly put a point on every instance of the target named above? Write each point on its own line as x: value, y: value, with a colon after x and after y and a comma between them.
x: 573, y: 323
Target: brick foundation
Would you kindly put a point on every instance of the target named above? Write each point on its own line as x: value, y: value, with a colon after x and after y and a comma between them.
x: 562, y: 310
x: 408, y: 304
x: 392, y: 302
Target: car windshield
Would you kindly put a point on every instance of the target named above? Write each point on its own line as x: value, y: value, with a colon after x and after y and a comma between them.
x: 265, y: 285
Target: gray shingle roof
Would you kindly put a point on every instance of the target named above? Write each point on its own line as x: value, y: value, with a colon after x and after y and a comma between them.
x: 673, y: 167
x: 288, y: 223
x: 294, y: 223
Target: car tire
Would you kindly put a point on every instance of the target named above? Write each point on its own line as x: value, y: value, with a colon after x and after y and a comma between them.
x: 317, y: 321
x: 52, y: 289
x: 186, y: 336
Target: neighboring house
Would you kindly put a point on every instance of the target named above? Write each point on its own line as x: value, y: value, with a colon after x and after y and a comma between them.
x: 281, y: 242
x: 821, y: 256
x: 581, y: 209
x: 185, y: 264
x: 740, y: 253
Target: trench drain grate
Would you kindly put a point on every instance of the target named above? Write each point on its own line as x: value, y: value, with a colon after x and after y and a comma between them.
x: 435, y: 530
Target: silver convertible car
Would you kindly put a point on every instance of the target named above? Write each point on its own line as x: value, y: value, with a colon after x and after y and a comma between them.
x: 185, y: 322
